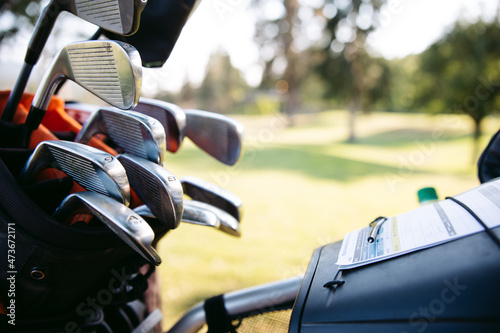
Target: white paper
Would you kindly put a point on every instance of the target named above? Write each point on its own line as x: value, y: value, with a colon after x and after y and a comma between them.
x: 423, y: 227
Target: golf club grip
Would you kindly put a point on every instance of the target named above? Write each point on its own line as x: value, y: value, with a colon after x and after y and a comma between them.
x: 17, y: 93
x: 34, y: 120
x: 41, y: 33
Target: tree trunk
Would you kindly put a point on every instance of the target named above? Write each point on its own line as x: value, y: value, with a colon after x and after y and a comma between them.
x: 353, y: 111
x: 290, y: 75
x: 357, y: 88
x: 476, y: 137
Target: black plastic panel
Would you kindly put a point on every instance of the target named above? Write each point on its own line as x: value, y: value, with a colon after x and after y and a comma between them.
x: 444, y: 288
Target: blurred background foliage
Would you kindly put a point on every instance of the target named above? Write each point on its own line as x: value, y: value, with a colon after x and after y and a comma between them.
x: 335, y: 69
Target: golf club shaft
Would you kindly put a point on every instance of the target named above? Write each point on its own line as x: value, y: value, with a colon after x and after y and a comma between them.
x: 17, y: 93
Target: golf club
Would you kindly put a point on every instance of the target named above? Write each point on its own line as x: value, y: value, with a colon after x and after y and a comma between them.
x: 110, y: 70
x: 171, y: 116
x: 219, y: 136
x: 204, y: 191
x: 118, y: 16
x: 124, y: 222
x: 200, y: 213
x: 160, y: 190
x: 133, y: 132
x: 189, y: 215
x: 91, y: 168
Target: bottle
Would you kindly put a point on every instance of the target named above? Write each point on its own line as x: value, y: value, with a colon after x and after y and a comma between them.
x: 427, y: 195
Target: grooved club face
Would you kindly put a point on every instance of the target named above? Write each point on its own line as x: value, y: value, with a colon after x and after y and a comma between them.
x: 119, y: 16
x: 110, y: 70
x: 218, y: 135
x: 124, y: 222
x: 160, y: 190
x: 133, y: 132
x: 91, y: 168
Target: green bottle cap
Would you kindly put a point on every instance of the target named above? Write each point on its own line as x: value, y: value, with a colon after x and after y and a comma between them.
x: 427, y: 194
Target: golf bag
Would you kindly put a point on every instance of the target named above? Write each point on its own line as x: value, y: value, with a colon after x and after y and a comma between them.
x: 55, y: 277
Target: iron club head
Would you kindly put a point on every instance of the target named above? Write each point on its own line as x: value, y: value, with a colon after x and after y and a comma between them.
x: 189, y: 215
x: 171, y: 116
x: 124, y: 222
x: 209, y: 193
x: 92, y: 168
x: 160, y: 190
x: 135, y: 133
x: 199, y: 213
x: 227, y: 223
x: 110, y: 70
x: 118, y: 16
x: 219, y: 136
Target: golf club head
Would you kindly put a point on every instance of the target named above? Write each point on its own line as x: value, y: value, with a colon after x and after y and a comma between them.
x: 91, y: 168
x: 227, y: 223
x: 110, y: 70
x: 189, y: 215
x: 209, y: 193
x: 171, y: 116
x: 118, y: 16
x: 218, y: 135
x: 133, y: 132
x: 124, y: 222
x: 199, y: 213
x: 160, y: 190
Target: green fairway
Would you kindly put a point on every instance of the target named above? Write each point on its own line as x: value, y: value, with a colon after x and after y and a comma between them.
x: 303, y: 187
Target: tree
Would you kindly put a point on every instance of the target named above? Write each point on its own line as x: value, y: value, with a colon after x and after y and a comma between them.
x: 284, y: 34
x: 223, y: 86
x: 460, y: 73
x: 349, y: 72
x: 20, y: 13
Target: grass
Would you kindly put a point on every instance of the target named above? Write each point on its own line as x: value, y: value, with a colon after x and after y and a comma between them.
x: 303, y: 187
